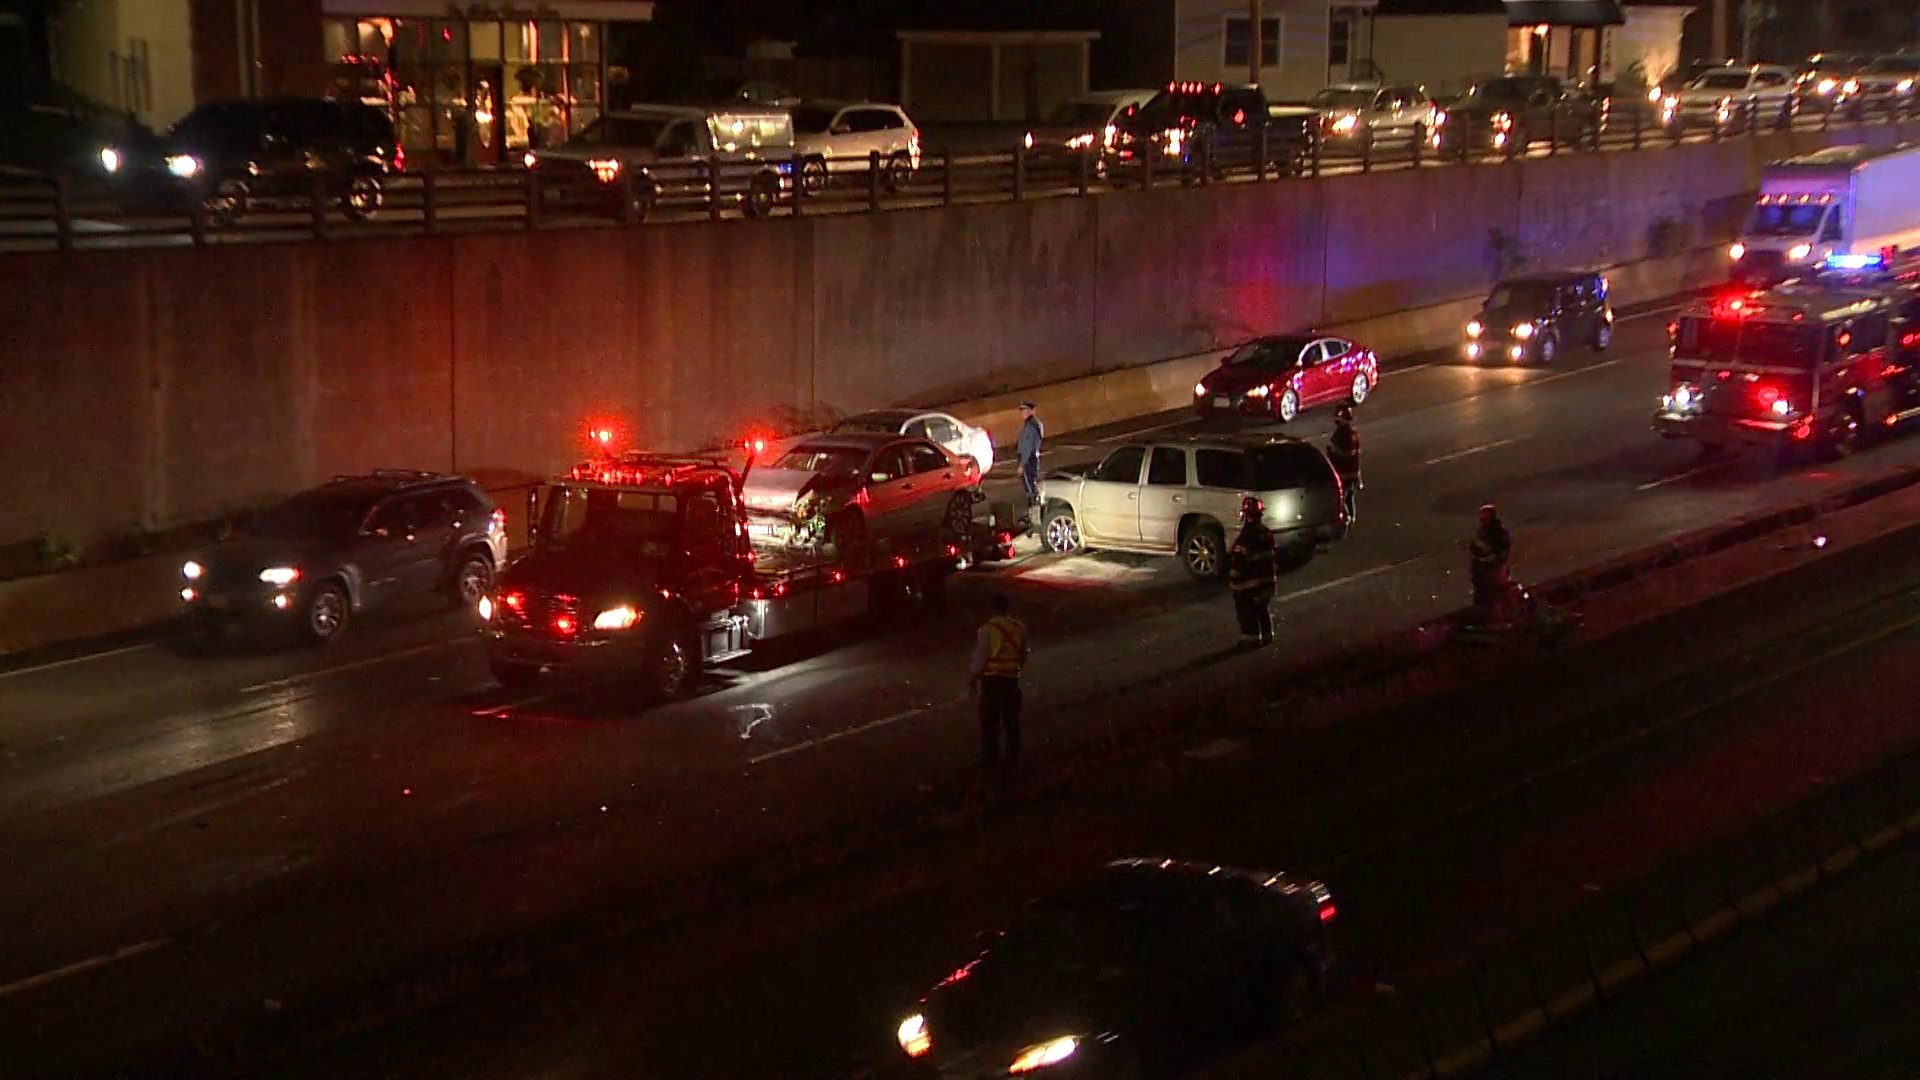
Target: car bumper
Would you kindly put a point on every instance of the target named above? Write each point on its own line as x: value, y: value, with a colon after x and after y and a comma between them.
x: 1506, y: 350
x: 1726, y: 430
x: 1231, y: 405
x: 586, y: 655
x: 241, y: 603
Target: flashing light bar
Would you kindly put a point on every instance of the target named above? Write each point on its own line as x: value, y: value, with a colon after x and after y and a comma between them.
x: 1856, y: 262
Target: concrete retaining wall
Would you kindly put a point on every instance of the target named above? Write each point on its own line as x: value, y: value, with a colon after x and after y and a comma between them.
x: 151, y: 387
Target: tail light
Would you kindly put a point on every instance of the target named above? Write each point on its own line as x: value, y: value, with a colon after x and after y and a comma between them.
x: 497, y: 522
x: 516, y: 602
x: 1327, y: 911
x: 565, y: 625
x: 399, y: 159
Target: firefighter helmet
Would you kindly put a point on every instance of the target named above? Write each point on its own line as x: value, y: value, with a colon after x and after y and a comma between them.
x: 1251, y: 510
x: 1344, y: 412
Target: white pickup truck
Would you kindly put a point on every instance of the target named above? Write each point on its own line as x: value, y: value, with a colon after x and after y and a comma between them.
x: 1844, y: 200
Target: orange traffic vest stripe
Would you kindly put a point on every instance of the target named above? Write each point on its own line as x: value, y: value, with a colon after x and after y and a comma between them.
x: 1007, y: 646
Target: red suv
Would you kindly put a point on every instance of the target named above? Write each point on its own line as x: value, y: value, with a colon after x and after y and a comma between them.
x: 1278, y: 377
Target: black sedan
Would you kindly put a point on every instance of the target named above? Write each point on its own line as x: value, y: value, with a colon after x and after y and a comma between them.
x: 1147, y: 970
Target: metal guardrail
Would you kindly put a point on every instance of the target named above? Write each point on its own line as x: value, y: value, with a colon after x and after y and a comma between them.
x: 42, y: 213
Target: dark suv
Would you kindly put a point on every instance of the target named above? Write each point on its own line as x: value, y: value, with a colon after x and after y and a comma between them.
x: 1535, y: 317
x: 351, y: 544
x: 1512, y: 113
x: 232, y: 157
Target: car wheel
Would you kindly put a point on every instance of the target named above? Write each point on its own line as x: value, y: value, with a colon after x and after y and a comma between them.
x: 959, y: 518
x: 1603, y: 336
x: 1062, y: 531
x: 1361, y: 388
x: 1549, y: 349
x: 899, y: 172
x: 813, y: 175
x: 1843, y: 440
x: 1203, y: 551
x: 228, y: 201
x: 472, y: 578
x: 363, y: 198
x: 1289, y: 406
x: 645, y: 198
x: 512, y: 674
x: 672, y: 666
x: 328, y: 611
x: 763, y: 191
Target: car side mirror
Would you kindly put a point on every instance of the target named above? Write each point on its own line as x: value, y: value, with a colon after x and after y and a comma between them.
x: 840, y: 129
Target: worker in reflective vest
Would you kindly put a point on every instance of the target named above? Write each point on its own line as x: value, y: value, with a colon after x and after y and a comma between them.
x: 998, y: 655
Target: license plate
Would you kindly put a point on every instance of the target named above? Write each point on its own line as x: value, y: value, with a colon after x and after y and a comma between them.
x: 1222, y: 403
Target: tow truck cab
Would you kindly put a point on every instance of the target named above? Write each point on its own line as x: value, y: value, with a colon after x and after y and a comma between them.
x: 1813, y: 363
x: 643, y: 564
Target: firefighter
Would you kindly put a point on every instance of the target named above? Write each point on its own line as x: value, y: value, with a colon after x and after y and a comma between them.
x: 1253, y: 573
x: 1491, y: 549
x: 999, y: 653
x: 1343, y: 449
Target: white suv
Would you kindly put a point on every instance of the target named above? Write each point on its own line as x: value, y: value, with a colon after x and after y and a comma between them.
x: 1732, y: 97
x: 832, y: 138
x: 1183, y: 497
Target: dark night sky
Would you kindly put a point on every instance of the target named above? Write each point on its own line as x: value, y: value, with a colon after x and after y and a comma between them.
x: 827, y: 26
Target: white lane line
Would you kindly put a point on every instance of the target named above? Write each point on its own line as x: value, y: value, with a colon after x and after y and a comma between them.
x: 1589, y: 369
x: 1695, y: 471
x: 36, y: 981
x: 295, y: 680
x: 849, y: 732
x: 1348, y: 580
x: 55, y: 665
x: 521, y: 703
x: 1409, y: 367
x: 1470, y: 451
x: 1637, y: 316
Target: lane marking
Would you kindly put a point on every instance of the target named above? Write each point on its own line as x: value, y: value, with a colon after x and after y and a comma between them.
x: 1348, y: 580
x: 521, y: 703
x: 1637, y: 316
x: 1695, y: 471
x: 847, y: 733
x: 1601, y: 366
x: 35, y: 981
x: 70, y: 661
x: 295, y: 680
x: 1481, y: 449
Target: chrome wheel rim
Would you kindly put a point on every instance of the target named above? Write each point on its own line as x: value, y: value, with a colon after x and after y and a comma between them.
x: 1359, y: 389
x: 959, y: 515
x: 670, y: 668
x: 363, y: 194
x: 327, y: 613
x: 228, y: 197
x: 1289, y: 406
x: 1203, y: 555
x: 1546, y: 351
x: 474, y: 579
x: 813, y: 177
x: 1063, y: 534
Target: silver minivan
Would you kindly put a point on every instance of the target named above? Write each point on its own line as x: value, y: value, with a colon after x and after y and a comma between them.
x: 654, y: 155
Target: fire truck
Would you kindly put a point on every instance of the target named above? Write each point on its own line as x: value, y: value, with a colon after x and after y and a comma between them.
x: 643, y: 564
x: 1813, y: 365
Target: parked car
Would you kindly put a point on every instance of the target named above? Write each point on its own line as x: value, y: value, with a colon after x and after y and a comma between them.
x: 1512, y: 113
x: 1279, y: 377
x: 1147, y: 970
x: 1182, y: 497
x: 1389, y: 117
x: 958, y: 436
x: 1731, y: 98
x: 1537, y: 316
x: 234, y: 157
x: 1189, y: 123
x: 1087, y: 124
x: 355, y: 543
x: 1883, y: 85
x: 67, y: 136
x: 837, y: 138
x: 878, y: 485
x: 1819, y: 85
x: 632, y: 161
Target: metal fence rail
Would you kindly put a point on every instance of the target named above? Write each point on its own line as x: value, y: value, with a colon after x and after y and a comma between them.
x: 45, y: 213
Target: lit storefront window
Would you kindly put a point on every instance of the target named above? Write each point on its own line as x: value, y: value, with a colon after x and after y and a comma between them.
x: 471, y: 91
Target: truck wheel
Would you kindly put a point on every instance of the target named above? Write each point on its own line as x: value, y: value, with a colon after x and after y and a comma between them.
x: 513, y: 675
x: 813, y: 176
x: 763, y: 191
x: 1843, y: 440
x: 672, y: 665
x: 1203, y: 551
x: 1062, y: 530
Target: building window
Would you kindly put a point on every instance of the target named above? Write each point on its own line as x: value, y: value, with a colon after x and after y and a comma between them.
x: 1340, y: 41
x: 1235, y: 53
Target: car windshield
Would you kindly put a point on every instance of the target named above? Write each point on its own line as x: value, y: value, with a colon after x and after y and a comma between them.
x: 824, y: 460
x: 812, y: 120
x: 1721, y: 80
x: 315, y: 515
x: 1080, y: 114
x: 1766, y: 344
x: 1271, y: 355
x: 589, y: 516
x: 1777, y: 219
x: 622, y: 131
x: 1522, y: 296
x: 217, y: 125
x: 1167, y: 105
x: 1501, y: 90
x: 1343, y: 99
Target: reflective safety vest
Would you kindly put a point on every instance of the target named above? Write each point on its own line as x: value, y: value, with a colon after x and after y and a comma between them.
x: 1006, y: 647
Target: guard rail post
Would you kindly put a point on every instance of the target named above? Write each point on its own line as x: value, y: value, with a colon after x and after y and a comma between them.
x: 63, y: 211
x: 533, y: 199
x: 1206, y: 162
x: 316, y: 192
x: 1601, y: 120
x: 430, y: 201
x: 1262, y: 147
x: 1019, y: 172
x: 1826, y: 117
x: 197, y: 217
x: 1083, y: 168
x: 1366, y: 148
x: 1415, y: 148
x: 1553, y: 133
x: 946, y: 177
x: 794, y: 170
x: 1314, y: 161
x: 712, y: 166
x: 624, y: 189
x: 1145, y: 154
x: 873, y: 180
x: 1717, y: 125
x: 1637, y: 125
x: 1753, y: 114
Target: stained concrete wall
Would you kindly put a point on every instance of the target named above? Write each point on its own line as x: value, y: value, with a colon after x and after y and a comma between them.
x: 161, y: 386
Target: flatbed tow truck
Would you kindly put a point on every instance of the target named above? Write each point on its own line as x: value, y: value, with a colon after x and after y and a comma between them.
x: 644, y: 564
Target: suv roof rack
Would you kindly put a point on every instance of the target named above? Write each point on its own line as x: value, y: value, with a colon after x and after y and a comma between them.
x: 389, y: 474
x: 639, y: 468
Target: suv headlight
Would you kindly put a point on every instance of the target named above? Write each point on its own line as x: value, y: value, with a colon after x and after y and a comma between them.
x: 616, y: 618
x: 1799, y: 251
x: 110, y: 159
x: 280, y: 576
x: 1474, y: 328
x: 184, y: 166
x: 913, y: 1035
x: 1041, y: 1055
x: 192, y: 571
x: 1523, y: 331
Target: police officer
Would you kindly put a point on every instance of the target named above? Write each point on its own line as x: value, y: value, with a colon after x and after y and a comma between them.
x: 1253, y: 573
x: 1032, y: 431
x: 999, y: 653
x: 1343, y: 449
x: 1491, y: 550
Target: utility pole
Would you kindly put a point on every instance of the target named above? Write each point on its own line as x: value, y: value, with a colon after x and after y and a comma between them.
x: 1719, y: 31
x: 1254, y: 45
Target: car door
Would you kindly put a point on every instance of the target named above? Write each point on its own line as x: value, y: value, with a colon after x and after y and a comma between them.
x: 932, y: 479
x: 1316, y: 379
x: 712, y: 578
x: 1110, y: 497
x: 1163, y: 499
x: 889, y: 490
x: 400, y: 545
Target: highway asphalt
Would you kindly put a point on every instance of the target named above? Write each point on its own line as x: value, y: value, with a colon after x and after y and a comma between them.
x: 249, y: 827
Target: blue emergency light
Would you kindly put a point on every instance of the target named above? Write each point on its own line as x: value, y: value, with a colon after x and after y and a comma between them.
x: 1856, y: 262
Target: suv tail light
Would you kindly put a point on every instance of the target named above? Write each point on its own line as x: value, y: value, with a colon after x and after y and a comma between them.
x: 497, y: 522
x: 399, y: 158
